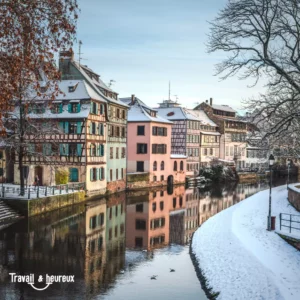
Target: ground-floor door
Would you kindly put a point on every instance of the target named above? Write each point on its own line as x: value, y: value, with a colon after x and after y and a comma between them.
x: 38, y: 171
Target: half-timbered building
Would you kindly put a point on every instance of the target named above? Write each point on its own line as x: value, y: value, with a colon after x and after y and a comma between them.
x: 185, y: 137
x: 116, y: 118
x: 68, y: 133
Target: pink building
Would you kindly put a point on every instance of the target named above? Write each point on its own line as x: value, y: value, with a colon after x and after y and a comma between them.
x: 149, y: 158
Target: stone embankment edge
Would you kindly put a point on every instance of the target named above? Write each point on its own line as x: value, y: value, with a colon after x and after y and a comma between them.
x: 210, y: 294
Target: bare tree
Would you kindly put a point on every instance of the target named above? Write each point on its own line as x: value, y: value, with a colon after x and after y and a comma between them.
x: 31, y: 32
x: 262, y: 40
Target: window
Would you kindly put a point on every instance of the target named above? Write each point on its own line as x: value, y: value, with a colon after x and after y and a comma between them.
x: 1, y: 172
x: 93, y: 174
x: 117, y: 152
x: 141, y: 130
x: 181, y: 166
x: 140, y: 166
x: 101, y: 109
x: 161, y: 205
x: 157, y: 223
x: 56, y: 108
x: 138, y: 242
x: 161, y: 131
x: 205, y: 151
x: 123, y: 152
x: 116, y: 231
x: 174, y: 202
x: 175, y: 166
x: 154, y: 194
x: 227, y: 151
x: 154, y: 206
x: 93, y: 150
x: 73, y: 149
x: 123, y: 132
x: 154, y: 178
x: 111, y: 174
x: 141, y: 149
x: 74, y: 107
x: 73, y: 127
x: 211, y: 151
x: 155, y: 166
x: 123, y: 114
x: 162, y: 165
x: 159, y: 148
x: 162, y: 178
x: 117, y: 174
x: 140, y: 224
x: 92, y: 128
x: 94, y: 108
x: 101, y: 129
x: 117, y: 131
x: 139, y: 207
x: 111, y: 152
x: 118, y: 113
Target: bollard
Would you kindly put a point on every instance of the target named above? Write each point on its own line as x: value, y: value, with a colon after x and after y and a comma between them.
x: 38, y: 192
x: 29, y: 193
x: 46, y: 191
x: 53, y: 191
x: 60, y: 189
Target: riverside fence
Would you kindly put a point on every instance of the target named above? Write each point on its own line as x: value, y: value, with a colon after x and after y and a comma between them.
x: 289, y: 221
x: 31, y: 192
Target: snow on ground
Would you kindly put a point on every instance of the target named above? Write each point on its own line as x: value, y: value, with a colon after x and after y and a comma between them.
x: 241, y: 259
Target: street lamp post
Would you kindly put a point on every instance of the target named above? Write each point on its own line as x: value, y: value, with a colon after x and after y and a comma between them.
x: 271, y: 162
x: 288, y: 179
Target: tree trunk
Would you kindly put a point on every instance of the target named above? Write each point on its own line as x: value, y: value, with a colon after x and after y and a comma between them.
x: 21, y: 151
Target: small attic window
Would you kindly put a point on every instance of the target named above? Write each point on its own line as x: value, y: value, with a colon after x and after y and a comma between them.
x: 170, y: 114
x: 71, y: 89
x: 43, y: 89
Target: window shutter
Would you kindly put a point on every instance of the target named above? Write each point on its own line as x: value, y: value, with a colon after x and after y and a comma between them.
x: 91, y: 174
x: 91, y: 107
x: 97, y: 150
x: 91, y: 128
x: 67, y: 149
x: 78, y: 107
x: 79, y: 149
x: 66, y: 127
x: 60, y: 108
x: 109, y: 130
x: 69, y: 107
x: 61, y: 149
x: 61, y: 126
x: 79, y: 125
x: 101, y: 109
x: 102, y: 150
x: 103, y: 173
x: 44, y: 149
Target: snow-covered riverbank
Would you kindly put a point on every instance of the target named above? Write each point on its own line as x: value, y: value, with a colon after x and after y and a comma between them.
x: 241, y: 259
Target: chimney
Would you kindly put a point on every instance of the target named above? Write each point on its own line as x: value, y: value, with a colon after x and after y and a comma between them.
x: 132, y: 99
x: 210, y: 101
x: 66, y: 54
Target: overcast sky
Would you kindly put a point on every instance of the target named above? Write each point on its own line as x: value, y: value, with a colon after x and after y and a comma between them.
x: 144, y: 44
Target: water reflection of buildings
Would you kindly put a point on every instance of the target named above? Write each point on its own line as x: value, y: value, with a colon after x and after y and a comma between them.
x: 88, y: 243
x: 156, y: 218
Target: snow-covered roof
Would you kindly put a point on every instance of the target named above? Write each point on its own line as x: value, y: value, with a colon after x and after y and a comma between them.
x: 128, y: 101
x: 178, y: 156
x: 223, y: 107
x: 138, y: 113
x: 202, y: 116
x: 81, y: 91
x: 176, y: 113
x: 95, y: 84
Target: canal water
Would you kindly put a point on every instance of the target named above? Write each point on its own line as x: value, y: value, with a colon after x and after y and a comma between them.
x: 133, y: 246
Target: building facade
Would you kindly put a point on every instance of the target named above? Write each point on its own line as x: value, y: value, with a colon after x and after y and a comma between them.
x: 149, y: 146
x: 116, y: 119
x: 233, y: 132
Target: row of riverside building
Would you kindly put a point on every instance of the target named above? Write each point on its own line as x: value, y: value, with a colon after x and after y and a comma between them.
x: 113, y: 143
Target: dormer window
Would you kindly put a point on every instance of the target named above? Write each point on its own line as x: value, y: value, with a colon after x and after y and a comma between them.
x: 71, y: 89
x: 43, y: 89
x: 56, y: 108
x: 74, y: 107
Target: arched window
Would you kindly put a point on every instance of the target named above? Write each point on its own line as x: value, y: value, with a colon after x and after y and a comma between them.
x: 175, y: 165
x: 180, y: 201
x: 162, y: 165
x: 154, y: 206
x: 155, y: 166
x: 181, y: 166
x: 174, y: 202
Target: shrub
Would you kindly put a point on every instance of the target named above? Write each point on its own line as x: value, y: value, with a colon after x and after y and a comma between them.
x: 62, y: 176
